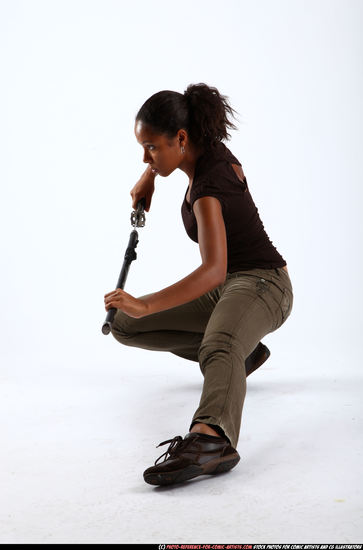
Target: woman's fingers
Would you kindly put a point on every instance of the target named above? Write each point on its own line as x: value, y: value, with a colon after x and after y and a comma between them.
x: 112, y: 299
x: 120, y: 299
x: 148, y: 202
x: 110, y: 294
x: 144, y: 187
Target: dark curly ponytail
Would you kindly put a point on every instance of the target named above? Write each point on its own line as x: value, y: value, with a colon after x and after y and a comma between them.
x: 201, y: 110
x: 209, y: 114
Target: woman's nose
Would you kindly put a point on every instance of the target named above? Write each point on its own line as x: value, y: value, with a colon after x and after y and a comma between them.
x: 147, y: 157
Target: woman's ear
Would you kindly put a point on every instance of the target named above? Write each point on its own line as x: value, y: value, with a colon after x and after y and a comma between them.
x: 182, y: 137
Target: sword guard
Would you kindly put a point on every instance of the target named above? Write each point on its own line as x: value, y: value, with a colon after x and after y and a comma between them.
x: 138, y: 215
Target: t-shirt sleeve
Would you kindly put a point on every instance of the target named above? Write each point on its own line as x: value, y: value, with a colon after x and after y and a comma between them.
x: 205, y: 187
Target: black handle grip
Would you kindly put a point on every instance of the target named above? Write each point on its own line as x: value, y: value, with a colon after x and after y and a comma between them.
x: 130, y: 255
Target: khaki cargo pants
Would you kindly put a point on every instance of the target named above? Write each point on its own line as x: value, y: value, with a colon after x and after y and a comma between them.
x: 219, y: 330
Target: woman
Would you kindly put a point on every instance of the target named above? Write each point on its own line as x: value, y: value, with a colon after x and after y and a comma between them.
x: 218, y: 314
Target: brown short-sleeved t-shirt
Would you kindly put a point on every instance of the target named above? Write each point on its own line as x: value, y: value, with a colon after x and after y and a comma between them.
x: 248, y: 245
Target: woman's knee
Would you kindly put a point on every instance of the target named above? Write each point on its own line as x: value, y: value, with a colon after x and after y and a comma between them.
x: 221, y: 350
x: 123, y: 327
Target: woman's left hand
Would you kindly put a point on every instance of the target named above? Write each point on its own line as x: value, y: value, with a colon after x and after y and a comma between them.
x: 134, y: 307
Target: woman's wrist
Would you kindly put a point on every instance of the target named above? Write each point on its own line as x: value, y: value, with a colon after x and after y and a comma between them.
x: 146, y: 307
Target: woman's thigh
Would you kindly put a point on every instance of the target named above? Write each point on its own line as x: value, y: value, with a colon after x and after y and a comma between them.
x: 178, y: 329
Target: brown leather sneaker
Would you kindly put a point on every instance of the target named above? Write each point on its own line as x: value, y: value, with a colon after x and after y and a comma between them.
x: 197, y: 454
x: 257, y: 358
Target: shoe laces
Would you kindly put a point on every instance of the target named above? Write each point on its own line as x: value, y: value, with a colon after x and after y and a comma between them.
x: 175, y: 444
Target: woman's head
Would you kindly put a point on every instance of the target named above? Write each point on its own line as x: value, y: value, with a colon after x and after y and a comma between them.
x: 197, y: 119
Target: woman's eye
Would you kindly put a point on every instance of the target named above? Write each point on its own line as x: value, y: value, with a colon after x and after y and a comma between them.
x: 151, y: 147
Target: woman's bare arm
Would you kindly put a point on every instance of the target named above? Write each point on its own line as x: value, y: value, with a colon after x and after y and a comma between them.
x: 211, y: 273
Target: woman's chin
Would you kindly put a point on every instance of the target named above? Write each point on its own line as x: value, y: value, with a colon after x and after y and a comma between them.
x: 166, y: 173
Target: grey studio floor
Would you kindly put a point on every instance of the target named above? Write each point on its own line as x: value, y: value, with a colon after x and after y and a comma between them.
x: 77, y: 436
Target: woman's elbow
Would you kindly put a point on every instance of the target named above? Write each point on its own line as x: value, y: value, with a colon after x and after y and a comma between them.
x: 222, y: 277
x: 217, y: 274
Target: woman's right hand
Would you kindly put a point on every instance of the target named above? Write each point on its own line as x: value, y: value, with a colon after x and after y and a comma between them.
x: 144, y: 188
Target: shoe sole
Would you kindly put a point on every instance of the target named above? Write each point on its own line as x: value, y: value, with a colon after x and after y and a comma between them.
x: 216, y: 466
x: 263, y: 358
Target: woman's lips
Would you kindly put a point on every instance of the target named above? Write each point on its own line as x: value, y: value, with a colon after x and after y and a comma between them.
x: 154, y: 170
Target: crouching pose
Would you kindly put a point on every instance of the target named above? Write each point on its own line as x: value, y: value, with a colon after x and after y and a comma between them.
x: 241, y: 291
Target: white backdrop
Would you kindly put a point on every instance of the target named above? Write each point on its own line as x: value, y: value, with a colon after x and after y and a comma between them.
x: 73, y: 75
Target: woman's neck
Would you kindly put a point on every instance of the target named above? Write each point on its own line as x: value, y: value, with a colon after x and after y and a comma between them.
x: 189, y: 161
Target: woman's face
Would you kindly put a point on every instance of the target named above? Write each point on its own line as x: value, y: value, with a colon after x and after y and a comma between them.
x: 161, y: 152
